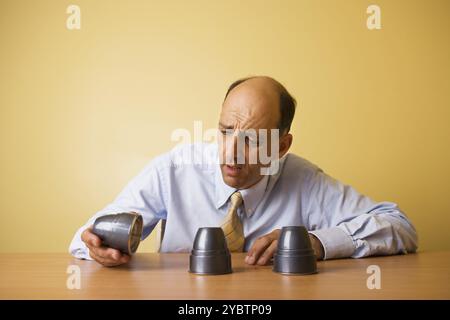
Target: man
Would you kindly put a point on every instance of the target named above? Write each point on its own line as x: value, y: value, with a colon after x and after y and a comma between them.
x: 249, y: 204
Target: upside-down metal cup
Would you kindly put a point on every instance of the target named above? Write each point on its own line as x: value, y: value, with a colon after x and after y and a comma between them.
x: 294, y: 254
x: 121, y: 231
x: 210, y: 254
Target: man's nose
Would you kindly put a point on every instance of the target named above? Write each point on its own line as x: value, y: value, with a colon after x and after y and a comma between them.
x: 235, y: 149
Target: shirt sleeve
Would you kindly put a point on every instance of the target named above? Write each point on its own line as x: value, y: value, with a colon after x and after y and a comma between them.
x: 349, y: 224
x: 144, y: 194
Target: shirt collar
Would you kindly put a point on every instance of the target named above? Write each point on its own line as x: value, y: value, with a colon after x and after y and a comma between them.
x: 251, y: 196
x: 223, y: 191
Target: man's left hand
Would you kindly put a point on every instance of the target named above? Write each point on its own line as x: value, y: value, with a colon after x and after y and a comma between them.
x: 262, y: 251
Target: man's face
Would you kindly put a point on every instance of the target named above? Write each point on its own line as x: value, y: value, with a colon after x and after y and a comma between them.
x: 249, y: 107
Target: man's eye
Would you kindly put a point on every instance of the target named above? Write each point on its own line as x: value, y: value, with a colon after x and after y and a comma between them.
x: 226, y: 132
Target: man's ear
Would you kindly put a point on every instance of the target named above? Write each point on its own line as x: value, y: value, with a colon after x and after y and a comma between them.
x: 285, y: 144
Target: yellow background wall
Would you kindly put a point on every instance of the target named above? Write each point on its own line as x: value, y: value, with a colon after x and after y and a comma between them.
x: 83, y: 111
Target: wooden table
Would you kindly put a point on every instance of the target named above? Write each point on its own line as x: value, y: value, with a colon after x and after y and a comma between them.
x: 164, y: 276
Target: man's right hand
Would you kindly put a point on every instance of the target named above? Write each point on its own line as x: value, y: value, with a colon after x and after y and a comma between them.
x: 107, y: 257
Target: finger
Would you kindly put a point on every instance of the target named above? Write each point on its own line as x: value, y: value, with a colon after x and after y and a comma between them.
x: 257, y: 249
x: 106, y: 253
x: 106, y: 260
x: 317, y: 246
x: 125, y: 258
x: 268, y: 253
x: 114, y: 255
x: 103, y: 261
x: 89, y: 237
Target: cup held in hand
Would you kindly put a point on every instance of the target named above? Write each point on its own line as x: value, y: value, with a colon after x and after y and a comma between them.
x: 121, y: 231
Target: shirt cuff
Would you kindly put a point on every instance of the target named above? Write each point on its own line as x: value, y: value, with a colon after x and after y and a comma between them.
x: 336, y: 243
x: 82, y: 254
x: 78, y: 248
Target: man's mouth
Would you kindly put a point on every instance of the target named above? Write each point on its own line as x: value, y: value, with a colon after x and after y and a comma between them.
x: 233, y: 170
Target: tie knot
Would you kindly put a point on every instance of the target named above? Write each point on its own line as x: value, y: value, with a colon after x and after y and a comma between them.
x: 236, y: 199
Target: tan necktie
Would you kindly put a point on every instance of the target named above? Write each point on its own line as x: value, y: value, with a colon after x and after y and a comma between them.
x: 232, y: 226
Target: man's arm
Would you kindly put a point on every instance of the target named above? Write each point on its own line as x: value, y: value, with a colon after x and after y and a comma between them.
x: 343, y: 224
x: 144, y: 194
x: 349, y: 224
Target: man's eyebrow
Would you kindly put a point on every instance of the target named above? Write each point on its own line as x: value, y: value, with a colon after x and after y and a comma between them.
x: 224, y: 126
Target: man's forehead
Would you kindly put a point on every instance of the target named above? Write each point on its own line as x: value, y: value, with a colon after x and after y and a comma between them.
x: 255, y: 109
x: 247, y: 120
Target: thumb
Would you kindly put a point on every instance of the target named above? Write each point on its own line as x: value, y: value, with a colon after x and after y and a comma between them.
x: 90, y: 238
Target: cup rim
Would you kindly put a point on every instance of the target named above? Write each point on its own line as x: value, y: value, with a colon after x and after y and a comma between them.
x: 136, y: 217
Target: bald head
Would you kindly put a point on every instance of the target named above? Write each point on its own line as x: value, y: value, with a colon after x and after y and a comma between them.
x: 268, y: 90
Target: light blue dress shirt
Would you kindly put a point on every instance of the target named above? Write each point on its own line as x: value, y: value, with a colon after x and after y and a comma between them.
x: 192, y: 194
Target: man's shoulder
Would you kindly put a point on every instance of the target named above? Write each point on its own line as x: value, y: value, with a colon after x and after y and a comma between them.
x: 295, y: 165
x: 188, y: 155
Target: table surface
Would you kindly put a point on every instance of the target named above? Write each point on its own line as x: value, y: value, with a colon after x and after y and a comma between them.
x: 423, y: 275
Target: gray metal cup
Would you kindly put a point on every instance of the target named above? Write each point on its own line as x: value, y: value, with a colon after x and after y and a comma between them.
x: 294, y: 254
x: 121, y: 231
x: 210, y: 254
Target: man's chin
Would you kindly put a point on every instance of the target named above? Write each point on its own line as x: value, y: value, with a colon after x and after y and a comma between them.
x: 234, y: 182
